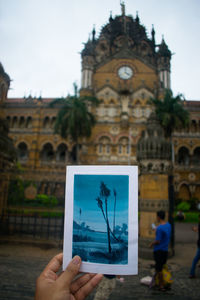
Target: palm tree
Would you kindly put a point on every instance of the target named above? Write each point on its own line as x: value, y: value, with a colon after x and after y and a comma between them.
x: 74, y: 119
x: 105, y: 193
x: 115, y: 195
x: 171, y: 115
x: 100, y: 205
x: 170, y: 112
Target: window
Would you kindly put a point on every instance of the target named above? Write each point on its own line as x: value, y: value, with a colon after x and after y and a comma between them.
x: 22, y: 151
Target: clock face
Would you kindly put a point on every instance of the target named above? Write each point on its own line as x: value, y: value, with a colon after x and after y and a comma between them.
x: 125, y: 72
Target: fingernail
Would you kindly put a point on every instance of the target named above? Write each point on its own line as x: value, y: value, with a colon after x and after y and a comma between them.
x: 76, y: 260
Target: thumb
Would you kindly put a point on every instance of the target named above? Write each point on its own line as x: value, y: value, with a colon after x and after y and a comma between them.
x: 71, y: 271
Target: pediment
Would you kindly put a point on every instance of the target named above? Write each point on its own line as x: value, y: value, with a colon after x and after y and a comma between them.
x: 142, y: 93
x: 107, y: 93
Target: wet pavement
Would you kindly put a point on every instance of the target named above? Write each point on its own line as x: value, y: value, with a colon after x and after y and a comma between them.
x: 21, y: 264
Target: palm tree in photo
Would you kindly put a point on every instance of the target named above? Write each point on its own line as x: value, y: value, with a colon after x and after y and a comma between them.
x: 100, y: 205
x: 105, y: 193
x: 115, y: 195
x: 74, y: 119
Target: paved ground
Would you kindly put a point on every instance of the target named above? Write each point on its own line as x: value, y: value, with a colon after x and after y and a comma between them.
x: 21, y: 264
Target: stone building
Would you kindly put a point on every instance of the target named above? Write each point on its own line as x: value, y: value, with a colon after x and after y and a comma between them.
x: 123, y: 67
x: 7, y: 150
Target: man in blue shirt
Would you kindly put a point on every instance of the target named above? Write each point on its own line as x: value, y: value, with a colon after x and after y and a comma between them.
x: 163, y: 234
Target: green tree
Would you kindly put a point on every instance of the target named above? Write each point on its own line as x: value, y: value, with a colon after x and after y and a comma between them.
x: 74, y: 118
x: 171, y: 112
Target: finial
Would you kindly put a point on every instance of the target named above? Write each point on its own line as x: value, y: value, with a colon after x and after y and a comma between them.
x: 153, y: 34
x: 110, y: 19
x: 122, y: 7
x: 93, y: 33
x: 137, y: 17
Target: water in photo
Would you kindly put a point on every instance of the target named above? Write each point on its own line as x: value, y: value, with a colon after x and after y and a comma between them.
x: 100, y: 218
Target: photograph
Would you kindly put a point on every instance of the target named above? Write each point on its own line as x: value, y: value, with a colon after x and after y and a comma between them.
x: 101, y: 213
x: 100, y: 222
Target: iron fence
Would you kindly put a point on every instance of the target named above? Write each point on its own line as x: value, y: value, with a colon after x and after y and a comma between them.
x: 35, y: 226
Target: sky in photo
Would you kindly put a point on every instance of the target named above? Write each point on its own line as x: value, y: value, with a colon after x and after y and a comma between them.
x: 41, y: 41
x: 86, y: 191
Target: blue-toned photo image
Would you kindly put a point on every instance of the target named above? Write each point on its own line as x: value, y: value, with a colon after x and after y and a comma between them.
x: 100, y: 218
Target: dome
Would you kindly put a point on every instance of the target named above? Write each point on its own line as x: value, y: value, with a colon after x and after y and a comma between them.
x: 121, y: 32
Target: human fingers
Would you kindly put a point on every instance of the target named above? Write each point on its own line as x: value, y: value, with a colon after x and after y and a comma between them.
x: 71, y: 271
x: 80, y: 281
x: 54, y: 264
x: 85, y: 290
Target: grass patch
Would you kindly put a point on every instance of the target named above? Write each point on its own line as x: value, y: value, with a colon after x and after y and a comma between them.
x: 32, y: 212
x: 190, y: 217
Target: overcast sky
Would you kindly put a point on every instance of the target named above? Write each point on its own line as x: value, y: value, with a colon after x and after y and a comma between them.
x: 41, y: 40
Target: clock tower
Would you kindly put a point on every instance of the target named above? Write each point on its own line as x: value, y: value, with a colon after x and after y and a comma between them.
x: 123, y: 67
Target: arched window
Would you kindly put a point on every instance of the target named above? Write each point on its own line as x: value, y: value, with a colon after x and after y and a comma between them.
x: 21, y: 122
x: 61, y: 153
x: 22, y: 151
x: 53, y: 121
x: 193, y: 126
x: 46, y: 122
x: 183, y: 156
x: 104, y: 146
x: 29, y: 122
x: 124, y: 146
x: 47, y: 153
x: 15, y: 122
x: 196, y: 156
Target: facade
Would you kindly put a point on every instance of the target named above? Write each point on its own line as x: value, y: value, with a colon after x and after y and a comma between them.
x: 7, y: 150
x: 123, y: 67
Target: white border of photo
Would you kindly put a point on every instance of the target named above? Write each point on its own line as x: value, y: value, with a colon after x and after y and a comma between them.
x: 132, y: 171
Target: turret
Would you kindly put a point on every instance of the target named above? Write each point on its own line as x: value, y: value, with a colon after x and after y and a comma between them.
x: 163, y: 63
x: 88, y: 63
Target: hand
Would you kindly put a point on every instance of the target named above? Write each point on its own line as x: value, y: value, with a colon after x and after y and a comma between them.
x: 63, y: 287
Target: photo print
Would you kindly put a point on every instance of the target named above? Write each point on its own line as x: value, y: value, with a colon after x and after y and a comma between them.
x: 101, y: 223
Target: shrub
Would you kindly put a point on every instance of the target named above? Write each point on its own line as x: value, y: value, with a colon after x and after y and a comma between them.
x: 45, y: 200
x: 184, y: 206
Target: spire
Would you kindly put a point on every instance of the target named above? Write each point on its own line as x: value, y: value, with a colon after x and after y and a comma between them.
x: 163, y: 49
x: 110, y: 19
x: 153, y: 34
x: 137, y: 17
x: 93, y: 33
x: 122, y: 7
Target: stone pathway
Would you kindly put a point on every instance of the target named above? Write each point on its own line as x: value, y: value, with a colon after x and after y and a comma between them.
x: 21, y: 264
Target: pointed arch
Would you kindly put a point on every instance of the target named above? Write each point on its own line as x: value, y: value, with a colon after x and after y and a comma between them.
x: 47, y: 153
x: 22, y: 151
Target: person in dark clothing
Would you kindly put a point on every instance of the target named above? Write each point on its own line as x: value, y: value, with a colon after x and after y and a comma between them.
x: 163, y: 234
x: 197, y: 256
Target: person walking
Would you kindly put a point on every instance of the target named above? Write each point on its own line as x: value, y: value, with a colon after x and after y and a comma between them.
x: 160, y: 244
x: 197, y: 256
